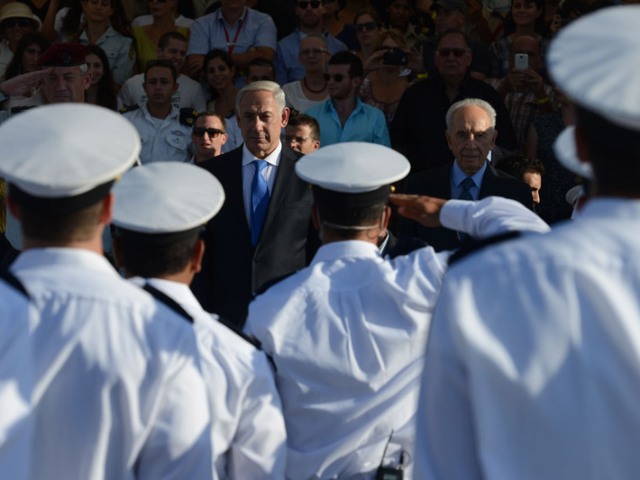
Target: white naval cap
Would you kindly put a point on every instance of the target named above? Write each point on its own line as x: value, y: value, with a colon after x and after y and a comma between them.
x: 64, y: 157
x: 596, y: 60
x: 353, y: 167
x: 166, y: 199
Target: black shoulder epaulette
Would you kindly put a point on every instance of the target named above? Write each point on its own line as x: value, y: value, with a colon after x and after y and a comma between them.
x: 478, y: 245
x: 235, y: 329
x: 129, y: 108
x: 20, y: 109
x: 168, y: 302
x: 12, y: 280
x: 188, y: 116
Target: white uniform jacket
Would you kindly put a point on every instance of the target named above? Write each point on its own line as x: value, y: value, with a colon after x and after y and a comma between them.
x: 118, y: 391
x: 162, y: 140
x: 347, y: 337
x: 189, y: 95
x: 16, y: 383
x: 532, y: 368
x: 249, y: 438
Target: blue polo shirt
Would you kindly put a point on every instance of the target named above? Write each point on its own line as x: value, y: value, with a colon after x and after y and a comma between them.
x: 365, y: 124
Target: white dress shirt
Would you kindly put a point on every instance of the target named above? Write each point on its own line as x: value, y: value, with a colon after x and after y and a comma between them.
x: 248, y: 432
x: 189, y: 94
x: 118, y: 391
x: 347, y: 337
x: 532, y: 369
x: 248, y: 171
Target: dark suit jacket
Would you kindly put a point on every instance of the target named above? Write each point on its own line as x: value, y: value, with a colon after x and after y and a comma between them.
x: 437, y: 183
x: 232, y: 267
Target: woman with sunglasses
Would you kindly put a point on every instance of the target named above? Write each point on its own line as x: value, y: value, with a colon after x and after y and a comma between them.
x: 163, y: 13
x: 312, y: 89
x: 102, y: 23
x: 219, y: 73
x: 368, y: 26
x: 16, y: 21
x: 25, y: 60
x: 389, y: 77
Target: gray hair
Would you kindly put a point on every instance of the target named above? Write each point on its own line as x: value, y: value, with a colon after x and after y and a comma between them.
x: 467, y: 102
x: 263, y: 85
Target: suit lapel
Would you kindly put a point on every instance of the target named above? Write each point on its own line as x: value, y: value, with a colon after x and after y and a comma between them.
x: 488, y: 182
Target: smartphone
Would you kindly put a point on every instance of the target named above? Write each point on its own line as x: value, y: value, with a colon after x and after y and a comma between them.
x: 521, y: 61
x: 395, y: 57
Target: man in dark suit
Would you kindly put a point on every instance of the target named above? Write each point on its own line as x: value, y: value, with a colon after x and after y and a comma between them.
x: 470, y: 134
x: 262, y: 230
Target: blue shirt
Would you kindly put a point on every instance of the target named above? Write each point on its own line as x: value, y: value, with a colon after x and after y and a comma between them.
x: 288, y: 66
x: 252, y: 29
x: 365, y: 124
x: 457, y: 176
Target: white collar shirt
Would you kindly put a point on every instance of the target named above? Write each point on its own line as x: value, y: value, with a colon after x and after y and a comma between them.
x: 248, y: 171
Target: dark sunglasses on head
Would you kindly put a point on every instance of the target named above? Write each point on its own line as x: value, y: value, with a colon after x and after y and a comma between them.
x: 445, y: 52
x: 212, y: 132
x: 338, y: 77
x: 16, y: 22
x: 305, y: 5
x: 366, y: 27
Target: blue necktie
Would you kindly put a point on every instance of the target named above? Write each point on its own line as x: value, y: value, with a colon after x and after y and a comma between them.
x: 259, y: 200
x: 467, y: 184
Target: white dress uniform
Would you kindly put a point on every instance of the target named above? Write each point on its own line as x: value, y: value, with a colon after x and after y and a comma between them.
x: 162, y: 139
x: 563, y: 344
x: 347, y: 337
x: 117, y: 387
x: 118, y: 391
x: 15, y: 383
x: 189, y: 94
x: 248, y: 432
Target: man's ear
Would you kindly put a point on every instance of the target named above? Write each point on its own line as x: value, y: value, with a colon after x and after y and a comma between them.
x: 196, y: 256
x: 106, y: 214
x: 286, y: 113
x: 385, y: 217
x: 87, y: 80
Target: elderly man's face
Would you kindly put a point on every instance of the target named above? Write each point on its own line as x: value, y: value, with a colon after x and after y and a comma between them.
x: 453, y: 57
x: 66, y: 84
x: 471, y: 137
x: 208, y: 136
x: 260, y: 121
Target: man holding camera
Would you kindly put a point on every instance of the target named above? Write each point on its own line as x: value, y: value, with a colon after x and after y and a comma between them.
x: 343, y: 117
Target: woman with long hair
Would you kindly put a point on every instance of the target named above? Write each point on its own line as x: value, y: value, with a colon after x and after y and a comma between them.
x: 102, y: 23
x: 526, y: 17
x: 368, y: 26
x: 16, y: 21
x: 219, y: 73
x: 102, y: 91
x: 25, y: 60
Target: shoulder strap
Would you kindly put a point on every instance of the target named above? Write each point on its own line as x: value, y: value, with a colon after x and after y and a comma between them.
x: 168, y: 301
x: 12, y: 280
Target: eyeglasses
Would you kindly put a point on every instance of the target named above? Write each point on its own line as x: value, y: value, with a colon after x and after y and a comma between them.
x: 457, y: 52
x: 212, y: 132
x: 308, y: 52
x: 293, y: 138
x: 337, y: 77
x: 305, y: 5
x: 365, y: 27
x: 16, y: 22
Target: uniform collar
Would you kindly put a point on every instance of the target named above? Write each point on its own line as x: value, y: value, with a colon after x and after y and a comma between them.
x: 179, y: 292
x: 348, y: 248
x: 76, y: 258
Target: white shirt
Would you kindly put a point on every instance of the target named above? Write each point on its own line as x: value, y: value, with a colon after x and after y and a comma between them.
x: 162, y: 139
x: 189, y: 94
x: 248, y: 433
x: 532, y: 369
x: 16, y: 383
x: 347, y: 337
x: 118, y: 391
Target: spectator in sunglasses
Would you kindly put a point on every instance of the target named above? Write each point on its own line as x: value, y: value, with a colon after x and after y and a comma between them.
x: 368, y: 26
x: 208, y: 136
x: 309, y: 14
x: 343, y: 117
x: 418, y: 126
x: 16, y: 21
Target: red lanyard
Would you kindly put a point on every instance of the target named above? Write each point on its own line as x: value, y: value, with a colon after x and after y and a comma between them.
x: 232, y: 45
